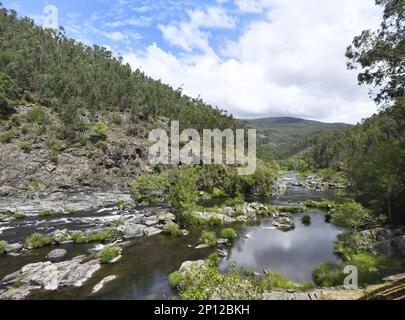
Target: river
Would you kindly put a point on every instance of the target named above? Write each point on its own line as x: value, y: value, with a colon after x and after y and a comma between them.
x: 143, y: 269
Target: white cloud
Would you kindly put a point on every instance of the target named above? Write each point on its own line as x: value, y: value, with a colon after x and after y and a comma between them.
x: 142, y: 21
x: 116, y: 36
x: 290, y: 63
x: 250, y: 6
x: 189, y: 34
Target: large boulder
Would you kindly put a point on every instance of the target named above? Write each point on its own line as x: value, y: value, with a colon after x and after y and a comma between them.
x: 189, y: 265
x: 284, y: 223
x: 377, y: 241
x: 56, y: 255
x: 131, y: 229
x: 62, y: 236
x: 13, y: 248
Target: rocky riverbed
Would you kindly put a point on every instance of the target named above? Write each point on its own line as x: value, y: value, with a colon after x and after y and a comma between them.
x: 67, y: 264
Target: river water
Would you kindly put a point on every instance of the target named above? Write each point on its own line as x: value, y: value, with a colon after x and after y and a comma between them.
x: 142, y: 271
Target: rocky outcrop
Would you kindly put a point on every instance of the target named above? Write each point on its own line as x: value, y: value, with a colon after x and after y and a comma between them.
x: 284, y: 222
x: 380, y: 241
x: 131, y: 229
x: 245, y: 213
x: 80, y: 200
x: 48, y: 276
x: 56, y: 255
x: 191, y: 265
x: 13, y: 248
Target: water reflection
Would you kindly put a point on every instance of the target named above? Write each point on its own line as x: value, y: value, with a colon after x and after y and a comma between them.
x: 294, y: 254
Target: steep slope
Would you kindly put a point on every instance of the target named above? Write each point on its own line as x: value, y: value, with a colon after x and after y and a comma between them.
x: 75, y: 118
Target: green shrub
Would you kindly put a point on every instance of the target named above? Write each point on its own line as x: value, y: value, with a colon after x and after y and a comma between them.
x: 3, y: 247
x: 172, y: 229
x: 54, y: 149
x: 25, y: 130
x: 47, y: 213
x: 202, y: 283
x: 342, y: 194
x: 306, y: 219
x: 238, y: 200
x: 19, y: 281
x: 290, y: 209
x: 328, y: 218
x: 274, y: 280
x: 19, y: 216
x: 6, y: 137
x: 68, y: 211
x: 175, y: 279
x: 99, y: 236
x: 215, y: 221
x: 352, y: 215
x: 146, y: 186
x: 208, y: 238
x: 188, y: 219
x: 26, y: 146
x: 38, y: 240
x: 38, y: 115
x: 320, y: 204
x: 109, y: 253
x: 213, y: 258
x: 16, y: 215
x: 116, y: 118
x: 35, y: 186
x: 99, y: 131
x: 15, y: 120
x: 78, y: 238
x: 328, y: 275
x: 373, y: 268
x: 120, y: 203
x: 228, y: 233
x: 183, y: 193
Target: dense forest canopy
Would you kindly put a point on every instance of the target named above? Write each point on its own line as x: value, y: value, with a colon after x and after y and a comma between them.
x: 44, y: 66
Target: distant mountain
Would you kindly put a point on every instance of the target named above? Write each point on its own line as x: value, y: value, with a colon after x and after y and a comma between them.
x: 287, y: 130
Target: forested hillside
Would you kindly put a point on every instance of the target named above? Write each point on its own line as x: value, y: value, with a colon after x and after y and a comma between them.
x: 45, y: 67
x: 279, y: 136
x: 286, y: 130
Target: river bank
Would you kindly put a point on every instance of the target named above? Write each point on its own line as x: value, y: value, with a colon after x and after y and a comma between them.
x: 148, y: 256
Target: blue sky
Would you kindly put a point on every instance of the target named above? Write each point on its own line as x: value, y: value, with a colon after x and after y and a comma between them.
x: 126, y: 25
x: 255, y: 58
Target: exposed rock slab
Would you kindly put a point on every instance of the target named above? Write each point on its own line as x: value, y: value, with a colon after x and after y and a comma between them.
x: 49, y: 276
x: 102, y: 283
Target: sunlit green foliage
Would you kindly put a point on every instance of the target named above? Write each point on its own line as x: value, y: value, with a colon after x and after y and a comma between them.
x: 107, y: 254
x: 208, y: 238
x: 38, y: 240
x: 172, y: 229
x: 228, y: 233
x: 175, y: 279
